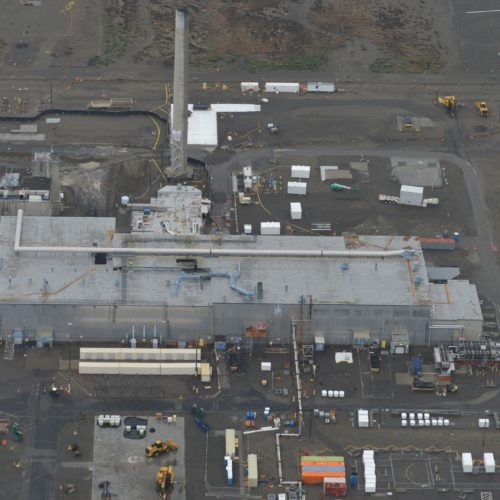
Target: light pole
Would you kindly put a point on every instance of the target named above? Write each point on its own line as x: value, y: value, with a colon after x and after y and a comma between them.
x: 69, y: 363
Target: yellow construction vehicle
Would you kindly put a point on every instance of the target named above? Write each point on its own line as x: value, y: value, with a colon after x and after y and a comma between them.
x: 449, y: 102
x: 481, y: 107
x: 159, y: 447
x: 164, y: 480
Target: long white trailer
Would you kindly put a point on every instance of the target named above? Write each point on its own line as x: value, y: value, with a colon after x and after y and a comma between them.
x: 396, y: 200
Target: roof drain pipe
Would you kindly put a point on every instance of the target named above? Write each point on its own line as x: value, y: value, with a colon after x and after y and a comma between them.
x: 298, y: 383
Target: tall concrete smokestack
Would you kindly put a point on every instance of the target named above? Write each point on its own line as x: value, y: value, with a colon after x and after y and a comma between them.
x: 178, y: 137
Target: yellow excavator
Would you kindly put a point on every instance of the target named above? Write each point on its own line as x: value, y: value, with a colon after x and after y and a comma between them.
x: 164, y: 481
x: 449, y: 103
x: 159, y: 447
x: 481, y: 107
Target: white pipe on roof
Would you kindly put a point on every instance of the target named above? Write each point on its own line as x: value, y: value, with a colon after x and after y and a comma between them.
x: 247, y: 252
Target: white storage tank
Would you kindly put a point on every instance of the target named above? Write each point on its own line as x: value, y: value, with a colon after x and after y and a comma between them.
x: 270, y: 228
x: 411, y: 195
x: 301, y: 171
x: 125, y: 200
x: 295, y: 211
x: 297, y: 187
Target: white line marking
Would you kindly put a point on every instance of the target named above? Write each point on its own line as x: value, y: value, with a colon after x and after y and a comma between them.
x: 481, y: 11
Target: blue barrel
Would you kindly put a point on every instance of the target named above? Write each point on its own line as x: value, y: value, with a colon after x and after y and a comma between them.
x: 292, y: 423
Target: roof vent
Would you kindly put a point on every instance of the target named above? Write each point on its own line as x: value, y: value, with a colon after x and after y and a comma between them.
x: 344, y: 266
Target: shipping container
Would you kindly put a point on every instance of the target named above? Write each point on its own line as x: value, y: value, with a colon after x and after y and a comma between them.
x: 270, y: 228
x: 437, y: 243
x: 297, y: 188
x: 301, y: 171
x: 253, y: 473
x: 325, y: 87
x: 489, y: 463
x: 293, y: 88
x: 296, y: 211
x: 411, y: 195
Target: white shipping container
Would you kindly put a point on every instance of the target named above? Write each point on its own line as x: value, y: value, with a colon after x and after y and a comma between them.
x: 247, y: 228
x: 249, y: 86
x: 270, y: 228
x: 265, y: 366
x: 467, y: 462
x: 411, y: 195
x: 321, y: 87
x: 253, y: 473
x: 296, y: 211
x: 489, y: 463
x: 293, y: 88
x: 297, y: 187
x: 301, y: 171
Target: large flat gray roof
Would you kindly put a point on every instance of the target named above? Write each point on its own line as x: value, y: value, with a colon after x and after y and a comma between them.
x: 150, y: 279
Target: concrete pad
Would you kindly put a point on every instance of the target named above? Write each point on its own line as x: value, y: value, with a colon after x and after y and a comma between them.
x: 417, y: 172
x: 123, y: 462
x: 403, y: 379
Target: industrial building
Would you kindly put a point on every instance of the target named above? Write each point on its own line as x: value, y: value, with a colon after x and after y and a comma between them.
x: 78, y: 279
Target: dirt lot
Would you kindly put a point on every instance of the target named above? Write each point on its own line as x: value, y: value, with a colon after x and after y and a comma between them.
x: 347, y: 211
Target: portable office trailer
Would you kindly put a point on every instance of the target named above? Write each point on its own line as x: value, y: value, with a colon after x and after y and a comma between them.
x: 270, y: 228
x: 127, y: 368
x: 321, y: 87
x: 293, y: 88
x: 297, y: 188
x: 301, y: 171
x: 138, y: 354
x: 249, y: 87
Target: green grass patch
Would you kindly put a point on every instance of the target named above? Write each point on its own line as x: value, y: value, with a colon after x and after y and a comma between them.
x: 382, y: 65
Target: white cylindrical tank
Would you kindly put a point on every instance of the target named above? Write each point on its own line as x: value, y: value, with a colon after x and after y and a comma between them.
x: 125, y: 200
